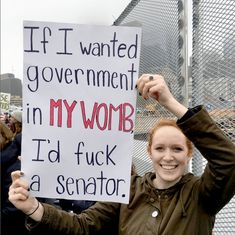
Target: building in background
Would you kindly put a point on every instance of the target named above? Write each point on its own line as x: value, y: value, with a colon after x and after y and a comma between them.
x: 13, y: 86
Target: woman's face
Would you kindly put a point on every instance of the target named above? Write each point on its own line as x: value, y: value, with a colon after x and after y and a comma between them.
x: 169, y: 154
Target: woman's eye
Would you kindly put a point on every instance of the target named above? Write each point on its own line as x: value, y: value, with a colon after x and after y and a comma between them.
x: 159, y: 148
x: 178, y: 149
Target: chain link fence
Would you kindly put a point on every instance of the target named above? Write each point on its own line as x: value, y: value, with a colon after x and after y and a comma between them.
x: 164, y: 50
x: 213, y: 79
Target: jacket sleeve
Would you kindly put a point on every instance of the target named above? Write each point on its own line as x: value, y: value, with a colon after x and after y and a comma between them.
x: 217, y: 183
x: 90, y: 221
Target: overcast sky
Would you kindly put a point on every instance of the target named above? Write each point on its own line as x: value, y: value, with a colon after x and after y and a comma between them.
x: 13, y: 12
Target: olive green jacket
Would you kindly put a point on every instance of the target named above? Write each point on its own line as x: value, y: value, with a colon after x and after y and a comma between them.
x: 187, y: 208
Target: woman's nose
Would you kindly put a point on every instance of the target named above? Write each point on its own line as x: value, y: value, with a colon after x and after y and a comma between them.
x: 168, y: 155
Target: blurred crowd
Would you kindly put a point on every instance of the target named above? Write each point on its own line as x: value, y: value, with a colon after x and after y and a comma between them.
x: 10, y: 146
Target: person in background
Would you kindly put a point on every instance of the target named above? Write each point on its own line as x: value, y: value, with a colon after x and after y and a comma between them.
x: 5, y: 117
x: 6, y: 135
x: 166, y: 201
x: 12, y: 219
x: 15, y: 122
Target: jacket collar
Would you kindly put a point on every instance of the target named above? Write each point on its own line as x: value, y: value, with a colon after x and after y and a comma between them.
x: 167, y: 193
x: 150, y: 176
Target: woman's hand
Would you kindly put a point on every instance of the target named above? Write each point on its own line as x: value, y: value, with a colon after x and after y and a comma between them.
x: 154, y: 86
x: 19, y: 196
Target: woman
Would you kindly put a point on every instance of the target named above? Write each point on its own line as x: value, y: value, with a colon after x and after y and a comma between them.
x: 15, y: 123
x: 167, y: 201
x: 6, y: 135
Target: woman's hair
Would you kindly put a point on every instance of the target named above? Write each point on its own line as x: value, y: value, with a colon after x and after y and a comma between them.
x: 15, y: 126
x: 6, y: 135
x: 167, y: 122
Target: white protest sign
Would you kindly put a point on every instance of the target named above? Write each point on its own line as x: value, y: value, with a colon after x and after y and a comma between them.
x: 79, y: 101
x: 5, y: 99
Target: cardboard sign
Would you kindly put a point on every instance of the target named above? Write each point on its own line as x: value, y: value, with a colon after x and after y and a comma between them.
x: 5, y: 99
x: 79, y: 102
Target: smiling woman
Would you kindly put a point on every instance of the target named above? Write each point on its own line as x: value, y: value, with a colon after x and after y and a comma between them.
x: 170, y: 151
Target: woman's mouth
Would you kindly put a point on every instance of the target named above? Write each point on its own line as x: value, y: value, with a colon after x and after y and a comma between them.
x: 168, y: 167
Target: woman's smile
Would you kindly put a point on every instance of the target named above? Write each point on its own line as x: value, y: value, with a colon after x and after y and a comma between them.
x: 169, y: 154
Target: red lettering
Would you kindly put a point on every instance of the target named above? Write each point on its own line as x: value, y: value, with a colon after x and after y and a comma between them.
x: 102, y: 116
x: 69, y: 112
x: 105, y: 116
x: 111, y: 109
x: 53, y: 105
x: 88, y: 122
x: 58, y: 104
x: 127, y: 117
